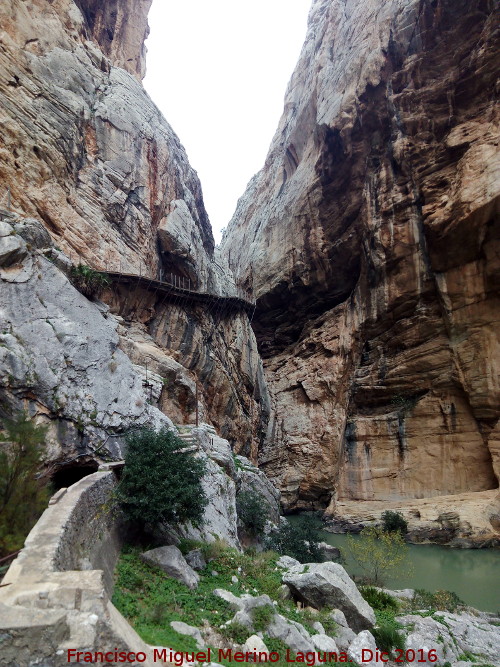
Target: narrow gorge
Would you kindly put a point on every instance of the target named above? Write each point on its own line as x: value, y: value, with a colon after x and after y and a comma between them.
x: 340, y: 348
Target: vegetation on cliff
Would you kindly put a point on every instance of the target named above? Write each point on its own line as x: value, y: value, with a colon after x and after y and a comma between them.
x: 23, y: 494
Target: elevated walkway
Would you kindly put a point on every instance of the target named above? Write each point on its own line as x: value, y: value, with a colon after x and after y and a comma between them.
x: 177, y: 288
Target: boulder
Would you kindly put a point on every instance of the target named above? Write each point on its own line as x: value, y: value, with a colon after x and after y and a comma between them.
x: 329, y: 585
x: 287, y: 562
x: 173, y: 563
x: 319, y: 628
x: 196, y: 560
x: 293, y: 634
x: 255, y: 643
x: 454, y: 634
x: 12, y: 250
x: 189, y: 631
x: 358, y: 650
x: 344, y: 636
x: 5, y: 229
x: 323, y: 642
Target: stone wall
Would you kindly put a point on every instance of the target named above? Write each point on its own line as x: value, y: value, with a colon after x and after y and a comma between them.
x: 51, y: 599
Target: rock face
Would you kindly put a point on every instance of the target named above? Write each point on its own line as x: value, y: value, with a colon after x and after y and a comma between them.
x: 85, y: 149
x: 452, y: 635
x: 86, y: 152
x: 371, y: 240
x: 59, y: 359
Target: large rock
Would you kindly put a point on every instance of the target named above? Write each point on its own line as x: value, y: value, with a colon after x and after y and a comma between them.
x: 344, y: 636
x: 323, y: 642
x: 329, y: 585
x: 255, y: 643
x: 170, y: 560
x: 196, y: 559
x: 12, y: 250
x: 291, y: 633
x: 452, y: 635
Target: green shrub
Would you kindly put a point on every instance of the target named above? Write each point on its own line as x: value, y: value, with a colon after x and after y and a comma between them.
x: 235, y: 631
x: 23, y: 495
x: 438, y: 601
x: 160, y: 482
x: 261, y: 617
x: 89, y: 282
x: 299, y: 540
x: 394, y: 521
x: 378, y: 599
x: 387, y: 638
x: 252, y: 512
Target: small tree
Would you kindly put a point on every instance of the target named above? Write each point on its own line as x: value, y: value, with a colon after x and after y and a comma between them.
x: 161, y: 482
x: 251, y: 512
x: 394, y: 521
x: 299, y: 539
x: 23, y: 496
x: 378, y: 552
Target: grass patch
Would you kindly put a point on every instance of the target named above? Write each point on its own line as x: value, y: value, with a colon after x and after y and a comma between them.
x: 150, y: 600
x: 378, y: 599
x: 387, y: 618
x: 186, y: 545
x: 387, y: 638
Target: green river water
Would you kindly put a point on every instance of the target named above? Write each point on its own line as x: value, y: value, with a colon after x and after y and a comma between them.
x: 473, y: 574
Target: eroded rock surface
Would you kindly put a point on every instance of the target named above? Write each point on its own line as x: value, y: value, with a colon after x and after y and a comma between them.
x: 329, y: 585
x: 371, y: 238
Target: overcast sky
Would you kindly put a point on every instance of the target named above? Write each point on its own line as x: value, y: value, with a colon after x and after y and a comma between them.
x: 218, y: 70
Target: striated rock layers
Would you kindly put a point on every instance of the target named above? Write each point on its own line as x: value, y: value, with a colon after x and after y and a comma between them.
x: 83, y: 146
x: 371, y: 239
x: 84, y: 150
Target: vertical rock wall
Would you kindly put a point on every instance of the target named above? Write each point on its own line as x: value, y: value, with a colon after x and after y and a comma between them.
x: 371, y: 238
x: 84, y: 150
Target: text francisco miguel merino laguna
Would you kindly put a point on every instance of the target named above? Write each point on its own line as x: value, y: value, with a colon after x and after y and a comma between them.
x: 179, y: 658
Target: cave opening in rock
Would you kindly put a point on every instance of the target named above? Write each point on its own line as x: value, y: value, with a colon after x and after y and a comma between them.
x: 69, y: 474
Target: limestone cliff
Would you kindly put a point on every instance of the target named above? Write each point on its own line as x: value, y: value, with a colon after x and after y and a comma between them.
x: 371, y: 239
x: 84, y: 150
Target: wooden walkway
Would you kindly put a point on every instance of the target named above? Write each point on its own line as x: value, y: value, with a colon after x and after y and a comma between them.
x: 179, y: 291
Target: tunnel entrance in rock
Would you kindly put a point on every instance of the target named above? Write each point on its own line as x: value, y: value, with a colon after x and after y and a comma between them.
x: 67, y: 475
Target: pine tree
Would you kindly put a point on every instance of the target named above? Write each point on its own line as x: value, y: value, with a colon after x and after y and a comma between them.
x: 23, y: 496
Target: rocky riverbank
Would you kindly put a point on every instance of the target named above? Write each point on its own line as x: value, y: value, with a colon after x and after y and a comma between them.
x: 467, y: 520
x: 314, y: 613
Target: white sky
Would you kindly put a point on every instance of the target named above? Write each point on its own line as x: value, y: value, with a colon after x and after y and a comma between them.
x: 218, y: 70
